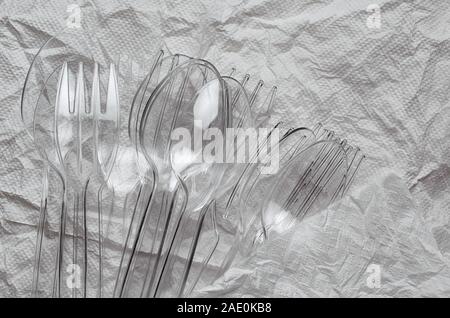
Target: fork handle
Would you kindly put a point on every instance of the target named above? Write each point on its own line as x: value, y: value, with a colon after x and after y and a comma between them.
x: 80, y: 230
x: 81, y: 197
x: 40, y: 231
x: 57, y: 280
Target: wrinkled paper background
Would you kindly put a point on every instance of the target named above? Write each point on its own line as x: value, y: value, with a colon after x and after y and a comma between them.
x: 385, y: 89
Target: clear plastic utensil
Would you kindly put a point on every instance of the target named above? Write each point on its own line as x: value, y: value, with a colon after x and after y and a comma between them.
x: 27, y: 104
x: 251, y: 186
x: 241, y: 110
x: 45, y: 134
x: 49, y: 57
x: 161, y: 67
x: 222, y: 225
x: 64, y: 136
x: 192, y: 98
x: 88, y: 40
x: 248, y: 202
x: 87, y: 140
x: 197, y: 180
x: 355, y: 159
x: 131, y: 164
x: 306, y: 185
x: 354, y: 154
x: 127, y: 176
x: 241, y: 118
x: 88, y: 125
x: 318, y: 169
x: 130, y: 181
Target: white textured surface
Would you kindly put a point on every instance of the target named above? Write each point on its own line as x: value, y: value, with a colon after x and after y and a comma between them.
x: 386, y: 90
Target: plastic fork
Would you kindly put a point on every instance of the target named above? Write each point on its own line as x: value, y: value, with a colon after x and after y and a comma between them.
x: 305, y: 186
x: 77, y: 122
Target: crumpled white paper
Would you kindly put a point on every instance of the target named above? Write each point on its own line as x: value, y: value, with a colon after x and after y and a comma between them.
x: 374, y: 71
